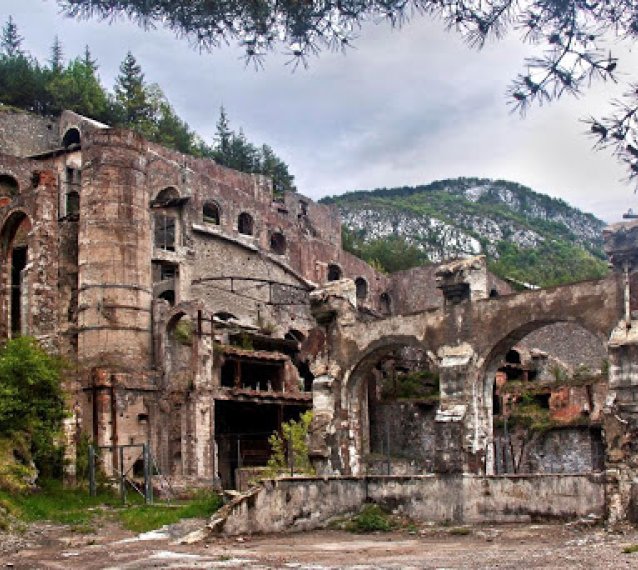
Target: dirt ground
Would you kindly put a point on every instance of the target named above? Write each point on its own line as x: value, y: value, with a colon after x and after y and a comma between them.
x: 556, y: 546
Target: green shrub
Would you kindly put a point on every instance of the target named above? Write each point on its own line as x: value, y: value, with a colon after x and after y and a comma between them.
x: 371, y: 519
x: 418, y: 385
x: 295, y: 434
x: 183, y: 332
x: 32, y: 402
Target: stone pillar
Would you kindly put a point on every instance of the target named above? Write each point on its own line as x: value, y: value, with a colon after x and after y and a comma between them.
x: 457, y: 443
x: 333, y: 432
x: 621, y: 410
x: 322, y: 428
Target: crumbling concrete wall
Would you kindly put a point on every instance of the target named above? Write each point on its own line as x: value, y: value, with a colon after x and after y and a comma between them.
x: 303, y: 504
x: 464, y: 340
x: 294, y: 504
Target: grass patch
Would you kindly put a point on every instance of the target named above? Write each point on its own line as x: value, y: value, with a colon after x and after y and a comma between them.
x: 53, y: 503
x: 144, y: 518
x: 630, y: 549
x: 74, y: 507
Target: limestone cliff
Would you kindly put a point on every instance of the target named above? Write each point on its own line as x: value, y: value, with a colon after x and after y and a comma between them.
x: 510, y: 223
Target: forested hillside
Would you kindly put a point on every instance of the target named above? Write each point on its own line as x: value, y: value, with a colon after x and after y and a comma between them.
x: 527, y: 236
x: 47, y: 88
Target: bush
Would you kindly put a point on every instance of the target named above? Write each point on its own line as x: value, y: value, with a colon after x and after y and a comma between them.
x: 294, y: 434
x: 31, y: 401
x: 371, y: 519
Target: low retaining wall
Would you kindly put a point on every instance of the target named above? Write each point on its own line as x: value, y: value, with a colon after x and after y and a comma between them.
x: 474, y: 499
x: 306, y: 503
x: 293, y: 504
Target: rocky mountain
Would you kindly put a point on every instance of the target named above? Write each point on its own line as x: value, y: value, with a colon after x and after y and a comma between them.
x: 526, y: 235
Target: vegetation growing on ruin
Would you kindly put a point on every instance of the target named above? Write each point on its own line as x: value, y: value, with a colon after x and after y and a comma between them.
x: 293, y: 437
x: 527, y: 236
x: 420, y: 385
x: 531, y: 415
x: 47, y: 88
x: 183, y: 331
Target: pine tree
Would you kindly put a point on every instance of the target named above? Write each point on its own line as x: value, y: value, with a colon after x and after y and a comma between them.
x: 131, y: 93
x: 223, y: 138
x: 78, y: 88
x: 88, y: 60
x: 271, y: 165
x: 11, y: 42
x: 56, y: 62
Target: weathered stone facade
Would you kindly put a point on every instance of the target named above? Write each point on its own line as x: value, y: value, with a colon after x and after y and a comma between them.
x: 177, y: 287
x: 201, y: 311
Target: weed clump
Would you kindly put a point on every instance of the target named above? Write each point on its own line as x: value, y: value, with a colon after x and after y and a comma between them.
x: 371, y: 519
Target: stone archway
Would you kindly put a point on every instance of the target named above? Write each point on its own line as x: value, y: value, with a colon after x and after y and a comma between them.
x: 392, y: 389
x: 540, y: 398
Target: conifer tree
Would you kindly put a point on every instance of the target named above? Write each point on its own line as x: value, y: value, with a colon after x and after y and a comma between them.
x: 11, y: 41
x: 223, y: 137
x: 56, y: 62
x: 131, y: 93
x: 88, y: 60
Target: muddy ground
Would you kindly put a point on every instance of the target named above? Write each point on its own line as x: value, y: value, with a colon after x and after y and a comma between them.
x: 556, y: 546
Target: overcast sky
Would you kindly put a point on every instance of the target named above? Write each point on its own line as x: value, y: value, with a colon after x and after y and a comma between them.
x: 405, y: 107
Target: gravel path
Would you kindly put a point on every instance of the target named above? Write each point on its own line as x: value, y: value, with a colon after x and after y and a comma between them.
x: 555, y: 546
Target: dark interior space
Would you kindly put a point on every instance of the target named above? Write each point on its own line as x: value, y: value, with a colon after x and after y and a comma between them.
x: 242, y: 430
x: 18, y: 263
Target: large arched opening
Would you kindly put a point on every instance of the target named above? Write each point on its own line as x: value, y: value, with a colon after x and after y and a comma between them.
x: 392, y: 397
x: 544, y: 389
x: 15, y: 238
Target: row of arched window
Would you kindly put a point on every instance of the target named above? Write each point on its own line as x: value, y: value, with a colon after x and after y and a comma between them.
x: 211, y: 214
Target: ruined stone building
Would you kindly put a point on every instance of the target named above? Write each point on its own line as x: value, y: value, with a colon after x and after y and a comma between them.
x: 200, y: 311
x: 178, y: 287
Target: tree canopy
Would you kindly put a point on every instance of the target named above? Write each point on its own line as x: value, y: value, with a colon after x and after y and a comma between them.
x: 134, y: 103
x: 572, y: 39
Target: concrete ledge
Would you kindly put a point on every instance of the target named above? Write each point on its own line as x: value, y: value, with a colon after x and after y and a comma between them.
x: 303, y: 503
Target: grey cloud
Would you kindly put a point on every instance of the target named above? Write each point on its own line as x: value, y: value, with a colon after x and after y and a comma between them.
x: 405, y: 107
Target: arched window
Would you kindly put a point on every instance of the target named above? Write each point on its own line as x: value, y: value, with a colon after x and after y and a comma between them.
x: 513, y: 356
x: 224, y: 315
x: 294, y: 334
x: 362, y: 288
x: 334, y: 272
x: 8, y: 186
x: 245, y: 224
x: 71, y: 137
x: 278, y: 243
x: 166, y: 196
x: 210, y: 213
